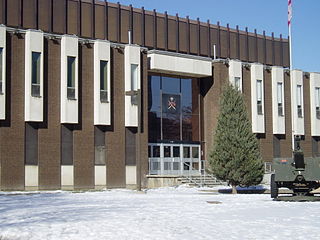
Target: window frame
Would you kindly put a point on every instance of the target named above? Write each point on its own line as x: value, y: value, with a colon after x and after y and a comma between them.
x: 299, y: 101
x: 1, y: 70
x: 317, y: 102
x: 280, y: 99
x: 36, y: 73
x: 71, y: 89
x: 104, y: 81
x: 259, y: 97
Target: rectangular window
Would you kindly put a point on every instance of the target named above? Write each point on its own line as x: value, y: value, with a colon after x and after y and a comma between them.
x: 104, y: 81
x: 237, y: 83
x: 71, y: 89
x: 259, y: 97
x: 35, y: 82
x: 317, y: 95
x: 279, y: 99
x: 134, y: 77
x: 1, y: 67
x: 299, y: 101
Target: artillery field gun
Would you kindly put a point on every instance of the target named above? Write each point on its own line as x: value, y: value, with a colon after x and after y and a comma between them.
x: 299, y: 174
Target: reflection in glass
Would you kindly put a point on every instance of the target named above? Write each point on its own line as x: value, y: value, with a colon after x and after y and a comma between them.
x: 156, y: 151
x: 195, y: 152
x: 176, y: 166
x: 149, y: 151
x: 186, y: 166
x: 167, y: 151
x: 154, y: 126
x: 186, y: 152
x: 171, y: 127
x: 167, y: 166
x: 190, y: 127
x: 154, y: 94
x: 171, y: 85
x: 176, y: 151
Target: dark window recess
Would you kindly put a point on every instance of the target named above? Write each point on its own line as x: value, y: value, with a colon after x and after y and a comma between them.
x: 36, y: 67
x: 71, y: 81
x: 315, y: 146
x: 259, y: 97
x: 176, y: 151
x: 318, y: 112
x: 31, y: 144
x: 1, y: 70
x: 299, y: 109
x: 167, y: 151
x: 280, y: 109
x: 66, y: 145
x: 156, y: 151
x: 276, y: 146
x: 104, y: 81
x: 99, y: 146
x: 131, y: 146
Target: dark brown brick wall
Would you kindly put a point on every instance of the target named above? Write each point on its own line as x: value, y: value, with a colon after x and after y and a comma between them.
x: 115, y: 136
x: 83, y: 134
x: 266, y: 140
x: 49, y: 131
x: 306, y: 144
x: 286, y: 141
x: 12, y: 130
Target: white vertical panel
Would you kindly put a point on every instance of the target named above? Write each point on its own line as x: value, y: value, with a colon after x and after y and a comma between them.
x: 33, y: 104
x: 31, y: 176
x: 69, y: 107
x: 298, y: 122
x: 235, y: 73
x: 67, y: 178
x: 100, y: 175
x: 102, y: 110
x: 132, y: 56
x: 258, y: 122
x: 278, y: 121
x: 314, y: 102
x: 3, y: 94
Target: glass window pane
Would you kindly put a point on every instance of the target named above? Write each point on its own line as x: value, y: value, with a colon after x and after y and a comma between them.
x: 186, y: 166
x: 171, y: 85
x: 156, y: 151
x: 134, y: 77
x: 170, y: 126
x: 186, y: 152
x: 36, y: 56
x: 167, y: 151
x: 149, y: 151
x: 237, y: 83
x: 1, y: 67
x: 317, y: 95
x: 176, y: 151
x: 299, y: 95
x: 195, y: 152
x: 190, y: 127
x: 259, y: 90
x: 154, y: 94
x: 279, y: 92
x: 71, y: 71
x: 154, y: 126
x: 103, y: 81
x: 176, y: 166
x: 190, y: 96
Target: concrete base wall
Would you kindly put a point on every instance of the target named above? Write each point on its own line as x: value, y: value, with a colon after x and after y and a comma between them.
x: 162, y: 181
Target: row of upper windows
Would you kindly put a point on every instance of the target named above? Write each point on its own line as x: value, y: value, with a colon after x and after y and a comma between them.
x: 280, y: 98
x: 71, y: 76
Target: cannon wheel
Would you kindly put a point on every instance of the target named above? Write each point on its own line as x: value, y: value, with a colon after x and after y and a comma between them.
x: 273, y: 187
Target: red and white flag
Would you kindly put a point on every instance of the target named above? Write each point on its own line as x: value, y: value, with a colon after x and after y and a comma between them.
x: 289, y: 12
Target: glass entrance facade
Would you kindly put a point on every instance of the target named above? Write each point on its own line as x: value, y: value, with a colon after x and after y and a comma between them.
x: 174, y: 131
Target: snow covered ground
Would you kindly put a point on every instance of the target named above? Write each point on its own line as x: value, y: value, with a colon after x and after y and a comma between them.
x: 165, y: 213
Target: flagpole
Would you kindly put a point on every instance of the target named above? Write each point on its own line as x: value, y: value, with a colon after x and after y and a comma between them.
x: 291, y: 68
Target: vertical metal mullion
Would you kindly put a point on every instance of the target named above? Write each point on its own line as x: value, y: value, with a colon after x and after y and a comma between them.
x: 93, y: 17
x: 188, y: 35
x: 4, y: 11
x: 256, y: 47
x: 265, y: 47
x: 161, y: 113
x: 198, y: 36
x: 238, y: 42
x: 209, y: 38
x: 118, y: 22
x: 50, y: 16
x: 21, y: 13
x: 131, y: 23
x: 37, y: 14
x: 154, y: 29
x: 66, y: 16
x: 273, y: 50
x: 143, y: 27
x: 178, y: 33
x: 281, y: 49
x: 79, y: 18
x: 106, y: 21
x: 247, y: 43
x: 219, y: 40
x: 166, y: 30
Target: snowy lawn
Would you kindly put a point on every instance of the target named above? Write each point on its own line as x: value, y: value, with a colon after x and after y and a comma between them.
x: 166, y: 213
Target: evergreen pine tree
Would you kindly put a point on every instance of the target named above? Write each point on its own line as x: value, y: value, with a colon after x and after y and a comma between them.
x: 236, y: 156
